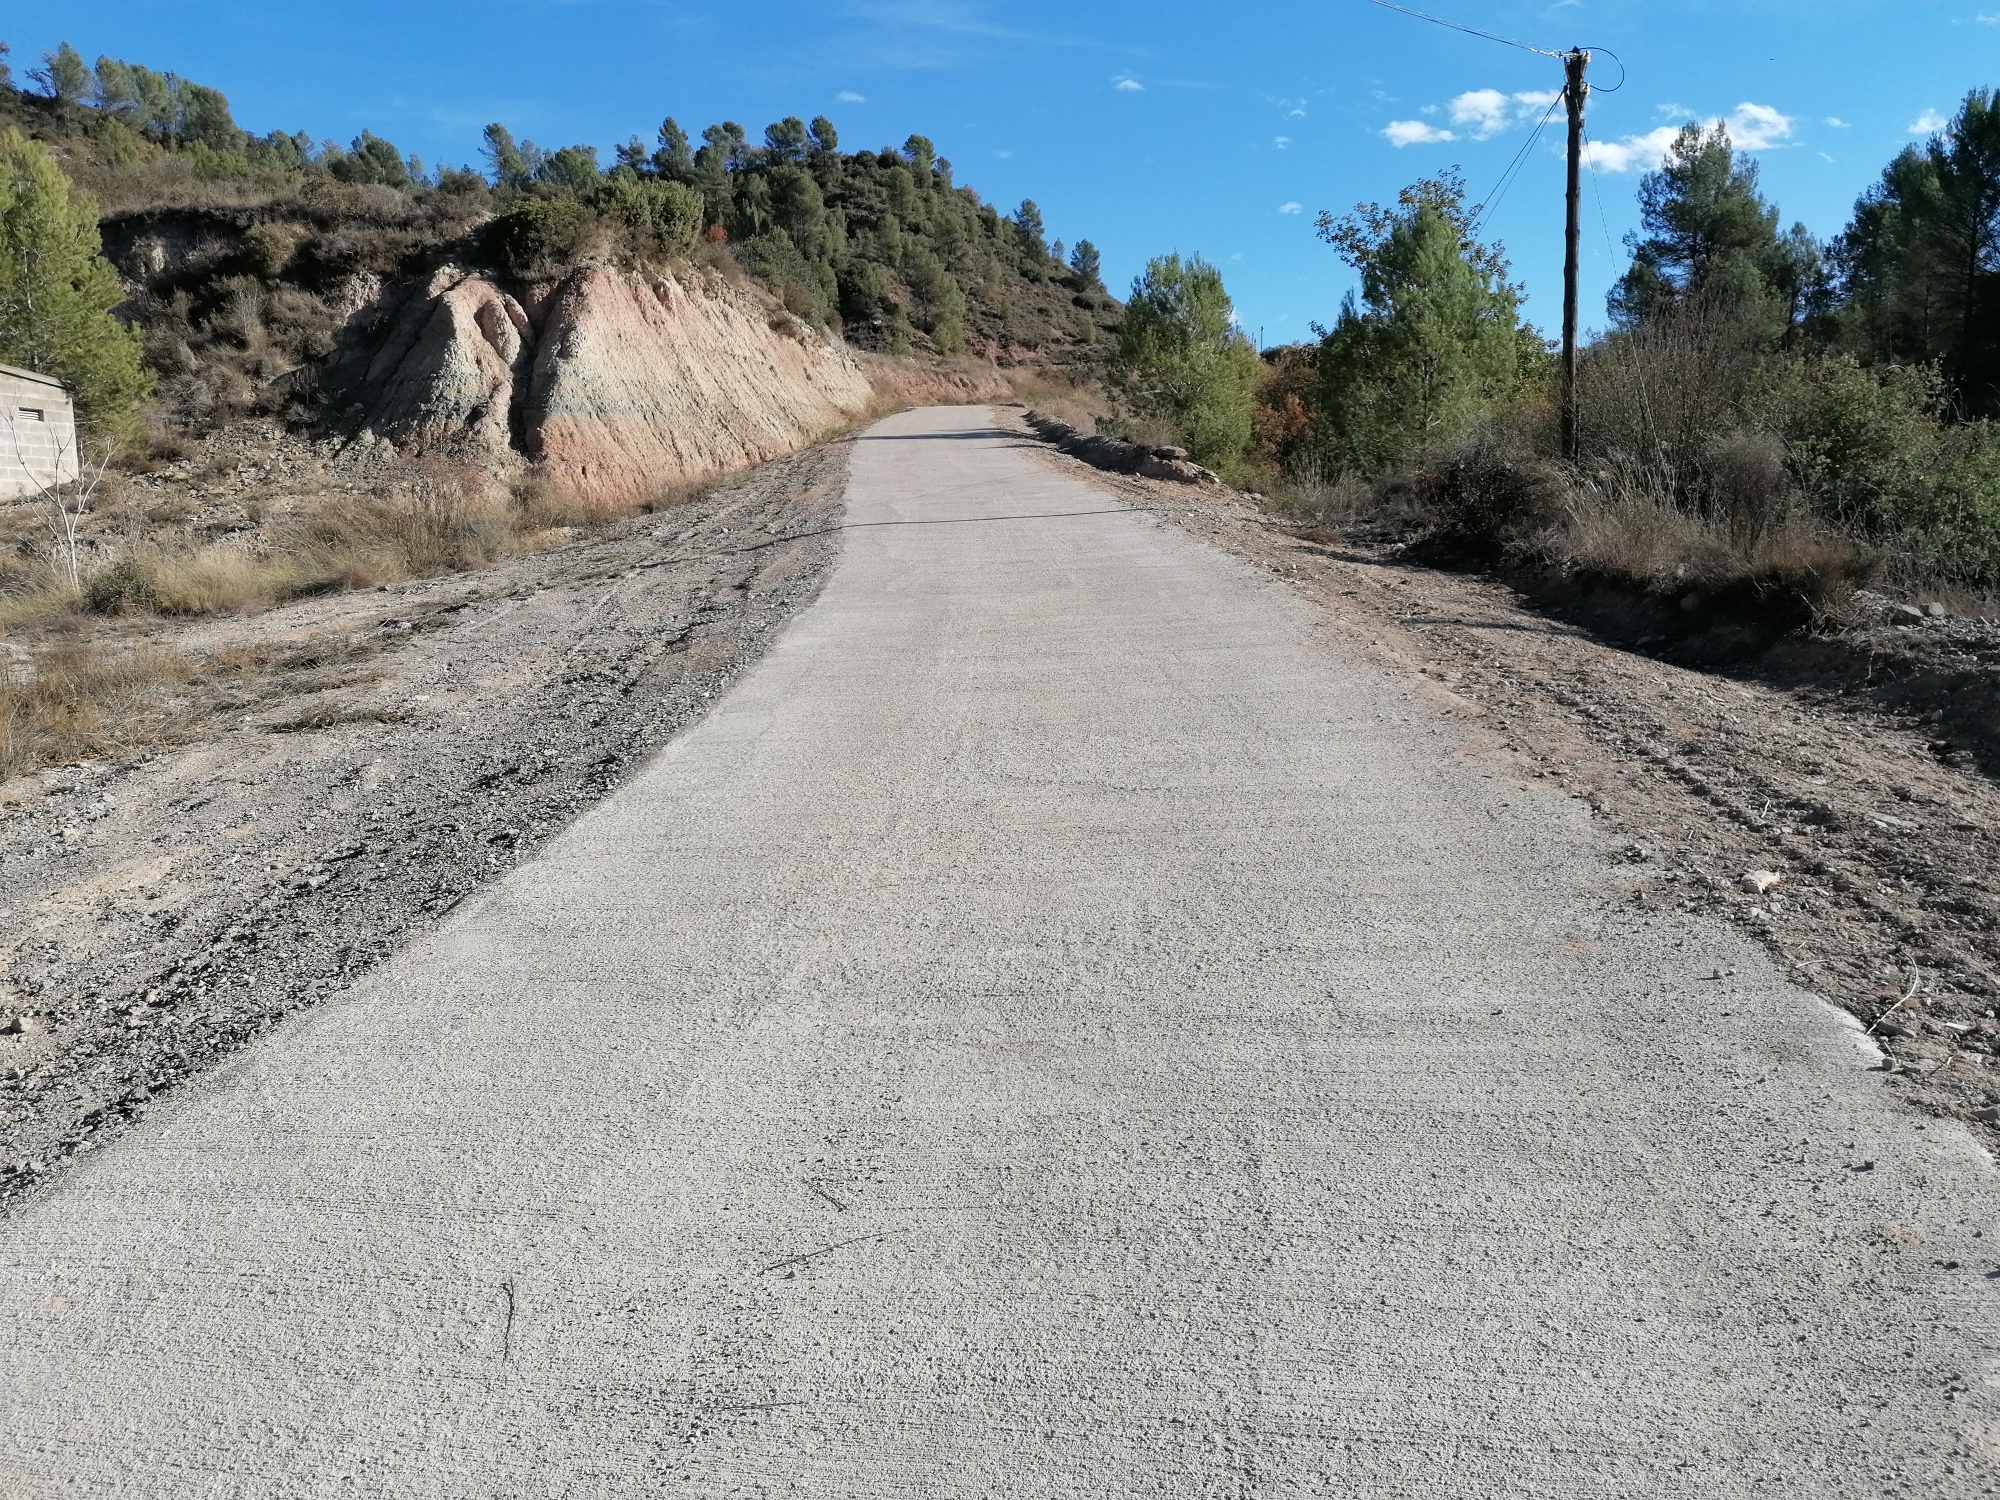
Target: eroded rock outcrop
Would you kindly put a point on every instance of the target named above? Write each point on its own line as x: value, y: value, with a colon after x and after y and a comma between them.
x: 639, y: 381
x: 620, y: 385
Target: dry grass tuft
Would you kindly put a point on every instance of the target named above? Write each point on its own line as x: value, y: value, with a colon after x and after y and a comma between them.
x: 1081, y: 402
x: 80, y: 702
x: 1789, y: 567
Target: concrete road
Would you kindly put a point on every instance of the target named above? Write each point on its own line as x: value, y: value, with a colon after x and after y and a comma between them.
x: 1063, y: 1026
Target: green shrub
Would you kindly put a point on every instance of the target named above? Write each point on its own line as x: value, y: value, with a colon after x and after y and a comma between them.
x: 536, y: 234
x: 664, y: 215
x: 126, y: 587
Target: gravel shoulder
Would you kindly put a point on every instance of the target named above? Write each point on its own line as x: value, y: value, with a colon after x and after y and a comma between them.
x: 1884, y: 828
x: 382, y: 755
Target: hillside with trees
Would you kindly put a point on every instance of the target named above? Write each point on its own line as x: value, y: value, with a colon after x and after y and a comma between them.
x: 241, y: 252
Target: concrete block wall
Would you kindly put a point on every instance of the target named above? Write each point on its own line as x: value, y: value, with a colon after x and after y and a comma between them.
x: 37, y: 433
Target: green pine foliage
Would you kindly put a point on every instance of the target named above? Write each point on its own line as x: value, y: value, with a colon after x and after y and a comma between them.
x: 1434, y: 344
x: 1182, y: 362
x: 57, y: 291
x: 881, y: 244
x: 1922, y: 257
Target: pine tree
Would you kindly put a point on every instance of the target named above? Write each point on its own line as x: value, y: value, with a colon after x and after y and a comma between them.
x: 674, y: 160
x: 1922, y: 257
x: 1182, y: 361
x: 786, y: 140
x: 1710, y: 235
x: 63, y: 74
x: 1433, y: 342
x: 57, y: 291
x: 513, y: 165
x: 1085, y: 264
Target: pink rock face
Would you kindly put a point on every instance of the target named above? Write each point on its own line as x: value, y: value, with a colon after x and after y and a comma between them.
x: 640, y: 384
x: 631, y: 386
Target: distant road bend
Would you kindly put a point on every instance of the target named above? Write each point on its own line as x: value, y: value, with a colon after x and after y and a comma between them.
x: 1064, y: 1025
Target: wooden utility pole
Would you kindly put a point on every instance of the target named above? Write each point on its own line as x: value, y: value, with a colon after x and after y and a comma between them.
x: 1575, y: 91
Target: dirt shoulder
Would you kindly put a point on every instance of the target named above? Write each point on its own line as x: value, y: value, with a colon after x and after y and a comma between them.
x: 386, y: 753
x: 1885, y: 836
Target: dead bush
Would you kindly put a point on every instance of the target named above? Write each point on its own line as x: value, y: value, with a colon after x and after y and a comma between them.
x: 217, y: 580
x: 1079, y: 401
x: 1310, y: 489
x: 1749, y: 485
x: 1491, y: 494
x: 540, y: 504
x: 433, y: 517
x: 1661, y: 394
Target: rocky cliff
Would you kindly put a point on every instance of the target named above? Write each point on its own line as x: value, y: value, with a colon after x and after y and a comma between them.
x: 619, y: 384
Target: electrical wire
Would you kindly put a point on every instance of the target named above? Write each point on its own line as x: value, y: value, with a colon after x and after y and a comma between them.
x: 1512, y: 174
x: 1468, y: 30
x: 1598, y: 88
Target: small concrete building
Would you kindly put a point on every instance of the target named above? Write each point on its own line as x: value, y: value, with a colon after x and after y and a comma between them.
x: 37, y: 433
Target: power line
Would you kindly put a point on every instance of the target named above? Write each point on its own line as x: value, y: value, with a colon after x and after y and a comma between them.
x: 1468, y: 30
x: 1512, y: 174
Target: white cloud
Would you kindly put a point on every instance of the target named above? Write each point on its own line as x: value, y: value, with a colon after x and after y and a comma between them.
x: 1128, y: 85
x: 1483, y: 111
x: 1487, y: 112
x: 1837, y: 123
x: 1636, y: 153
x: 1282, y: 141
x: 1988, y: 18
x: 1414, y: 133
x: 1291, y: 208
x: 1757, y: 127
x: 1751, y: 127
x: 1004, y: 155
x: 1674, y: 111
x: 848, y: 96
x: 1930, y: 122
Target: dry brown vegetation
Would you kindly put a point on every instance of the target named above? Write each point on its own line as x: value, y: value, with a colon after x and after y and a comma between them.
x: 89, y: 693
x: 1067, y: 395
x: 180, y: 535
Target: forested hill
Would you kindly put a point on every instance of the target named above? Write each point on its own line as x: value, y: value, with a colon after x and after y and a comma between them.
x: 878, y: 245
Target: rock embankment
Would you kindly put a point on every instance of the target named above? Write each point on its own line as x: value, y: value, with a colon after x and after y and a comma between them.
x: 1120, y: 457
x: 620, y: 384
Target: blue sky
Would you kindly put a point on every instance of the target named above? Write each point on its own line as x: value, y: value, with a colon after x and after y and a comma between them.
x: 1146, y: 127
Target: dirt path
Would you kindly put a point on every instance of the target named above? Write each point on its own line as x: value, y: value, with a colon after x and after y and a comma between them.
x: 1066, y: 1022
x: 414, y: 743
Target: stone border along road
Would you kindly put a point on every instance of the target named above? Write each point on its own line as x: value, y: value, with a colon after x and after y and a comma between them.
x: 1062, y: 1025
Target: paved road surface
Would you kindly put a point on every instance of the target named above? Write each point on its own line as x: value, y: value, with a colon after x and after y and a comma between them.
x: 1062, y: 1027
